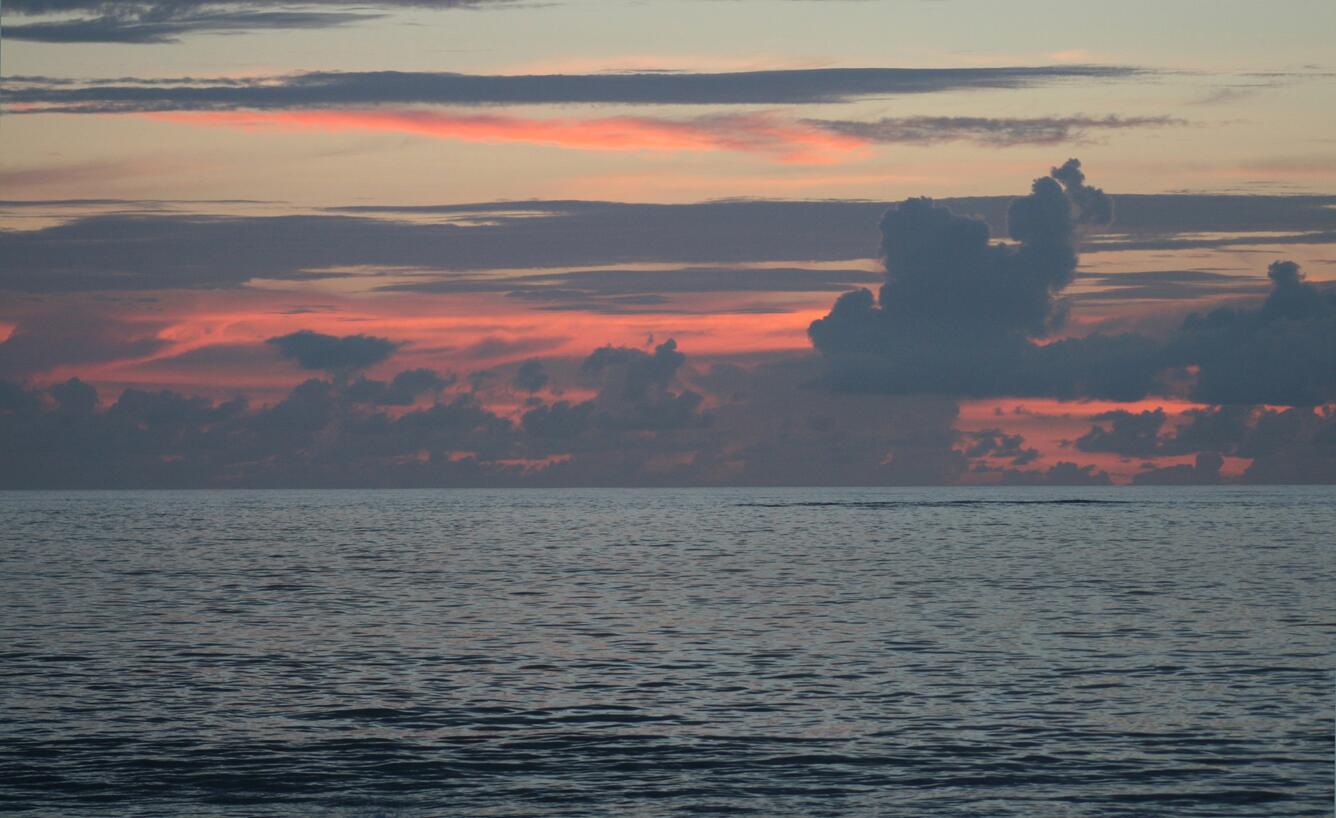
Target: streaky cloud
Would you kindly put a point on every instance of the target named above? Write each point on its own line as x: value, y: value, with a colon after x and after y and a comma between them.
x: 756, y: 133
x: 151, y: 22
x: 325, y: 89
x: 989, y: 131
x: 144, y: 246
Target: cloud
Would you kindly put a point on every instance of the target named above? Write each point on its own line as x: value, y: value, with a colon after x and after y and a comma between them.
x: 765, y: 425
x: 81, y: 336
x: 166, y: 21
x: 349, y: 353
x: 756, y: 133
x: 765, y: 133
x: 410, y: 430
x: 958, y: 314
x: 1282, y: 352
x: 636, y: 371
x: 531, y: 376
x: 1062, y: 473
x: 1296, y: 445
x: 986, y: 131
x: 943, y: 274
x: 133, y: 249
x: 324, y: 89
x: 592, y: 285
x: 1165, y: 285
x: 1128, y: 434
x: 404, y: 390
x: 497, y: 347
x: 1204, y: 470
x: 995, y: 443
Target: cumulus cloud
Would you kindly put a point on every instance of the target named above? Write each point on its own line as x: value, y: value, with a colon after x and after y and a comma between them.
x: 943, y: 273
x: 332, y: 353
x: 959, y: 314
x: 411, y: 430
x: 962, y: 315
x: 404, y: 390
x: 635, y: 371
x: 1295, y: 445
x: 1204, y: 470
x: 1130, y: 434
x: 995, y: 443
x: 1062, y: 473
x: 1282, y: 352
x: 764, y: 425
x: 531, y: 376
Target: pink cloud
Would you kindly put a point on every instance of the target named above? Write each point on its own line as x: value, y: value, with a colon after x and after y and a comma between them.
x: 759, y: 133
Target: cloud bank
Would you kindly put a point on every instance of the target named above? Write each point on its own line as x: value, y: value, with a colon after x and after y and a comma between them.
x: 958, y: 316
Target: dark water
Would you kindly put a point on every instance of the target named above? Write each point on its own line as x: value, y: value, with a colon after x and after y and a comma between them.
x: 773, y: 652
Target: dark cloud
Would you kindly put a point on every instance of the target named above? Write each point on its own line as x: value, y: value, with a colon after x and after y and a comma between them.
x: 74, y: 397
x: 944, y: 275
x: 1165, y: 285
x: 531, y: 376
x: 595, y: 285
x: 171, y: 250
x: 637, y: 371
x: 410, y: 430
x: 958, y: 313
x: 992, y: 132
x: 175, y: 251
x: 404, y: 390
x: 998, y: 444
x: 1205, y: 470
x: 765, y: 426
x: 1062, y: 473
x: 1281, y: 353
x: 321, y: 89
x: 166, y: 21
x: 961, y: 315
x: 1125, y: 433
x: 1295, y: 445
x: 497, y: 347
x: 331, y: 353
x: 561, y: 420
x: 1291, y: 446
x: 55, y: 337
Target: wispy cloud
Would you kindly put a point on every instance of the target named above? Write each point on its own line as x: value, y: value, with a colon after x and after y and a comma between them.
x: 144, y: 22
x: 800, y: 141
x: 761, y: 133
x: 996, y: 132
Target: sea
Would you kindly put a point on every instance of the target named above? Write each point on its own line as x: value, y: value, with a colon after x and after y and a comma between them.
x: 990, y: 652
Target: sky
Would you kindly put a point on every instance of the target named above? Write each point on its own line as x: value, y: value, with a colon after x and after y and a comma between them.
x: 666, y: 242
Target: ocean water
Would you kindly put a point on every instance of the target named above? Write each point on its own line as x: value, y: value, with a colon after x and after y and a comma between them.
x: 868, y: 652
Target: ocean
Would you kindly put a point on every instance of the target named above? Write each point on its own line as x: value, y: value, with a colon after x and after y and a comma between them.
x: 769, y: 652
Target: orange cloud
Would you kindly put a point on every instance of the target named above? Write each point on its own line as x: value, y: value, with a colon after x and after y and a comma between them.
x: 205, y: 343
x: 757, y: 132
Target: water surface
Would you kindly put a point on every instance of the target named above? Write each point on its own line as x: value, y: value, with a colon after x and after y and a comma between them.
x: 889, y: 652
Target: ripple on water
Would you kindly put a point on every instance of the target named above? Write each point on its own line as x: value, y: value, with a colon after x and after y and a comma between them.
x: 1111, y: 652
